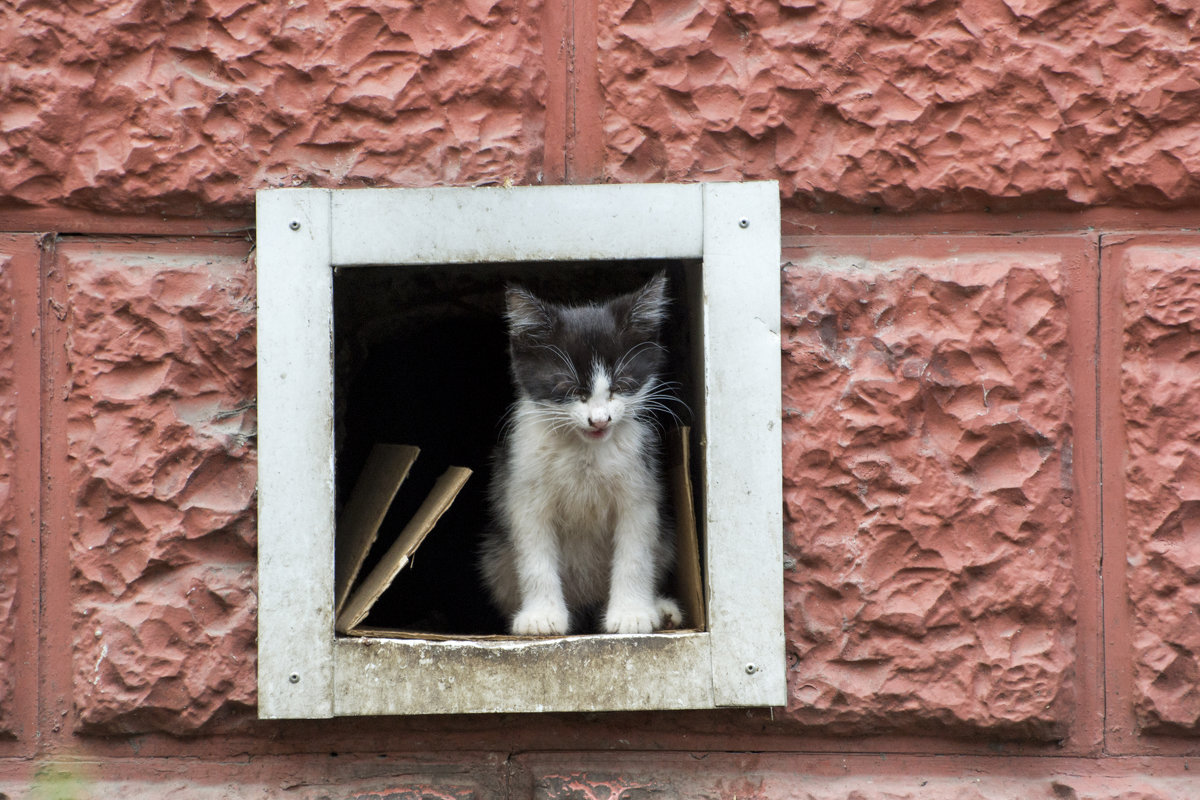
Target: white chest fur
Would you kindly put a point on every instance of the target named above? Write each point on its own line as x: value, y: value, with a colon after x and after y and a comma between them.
x: 581, y: 482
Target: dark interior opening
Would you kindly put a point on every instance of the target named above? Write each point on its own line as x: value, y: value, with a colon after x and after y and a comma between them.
x: 421, y: 359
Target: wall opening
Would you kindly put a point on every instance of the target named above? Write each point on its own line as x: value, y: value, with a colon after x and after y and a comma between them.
x: 420, y: 358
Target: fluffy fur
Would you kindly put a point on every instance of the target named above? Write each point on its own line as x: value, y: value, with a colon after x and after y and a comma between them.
x: 576, y: 496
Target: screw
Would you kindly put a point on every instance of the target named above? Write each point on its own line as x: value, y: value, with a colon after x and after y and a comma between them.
x: 295, y: 225
x: 294, y: 677
x: 743, y: 223
x: 751, y: 669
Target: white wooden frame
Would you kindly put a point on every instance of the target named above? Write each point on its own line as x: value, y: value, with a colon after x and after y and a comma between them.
x: 304, y: 670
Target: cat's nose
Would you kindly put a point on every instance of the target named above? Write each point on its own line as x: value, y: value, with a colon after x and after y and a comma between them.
x: 598, y: 420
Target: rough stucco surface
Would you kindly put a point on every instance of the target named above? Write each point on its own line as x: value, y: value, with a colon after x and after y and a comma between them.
x: 8, y: 516
x: 248, y: 787
x: 731, y: 777
x: 908, y: 104
x: 161, y: 351
x: 187, y: 107
x: 1162, y: 474
x: 928, y: 490
x: 308, y: 777
x: 625, y: 776
x: 739, y: 787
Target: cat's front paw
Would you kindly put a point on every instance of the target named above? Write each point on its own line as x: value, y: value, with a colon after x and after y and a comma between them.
x: 632, y: 619
x: 671, y: 615
x: 540, y: 621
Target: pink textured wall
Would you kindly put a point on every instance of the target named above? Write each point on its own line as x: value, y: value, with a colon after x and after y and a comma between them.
x: 132, y: 106
x: 1162, y: 469
x: 160, y: 346
x: 956, y: 385
x: 929, y: 485
x: 8, y: 526
x: 759, y: 777
x: 905, y: 104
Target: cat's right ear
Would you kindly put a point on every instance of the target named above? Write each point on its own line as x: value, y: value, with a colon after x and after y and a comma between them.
x: 648, y: 305
x: 528, y: 318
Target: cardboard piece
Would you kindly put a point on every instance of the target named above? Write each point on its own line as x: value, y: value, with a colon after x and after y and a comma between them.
x: 689, y: 573
x: 401, y: 551
x: 358, y: 526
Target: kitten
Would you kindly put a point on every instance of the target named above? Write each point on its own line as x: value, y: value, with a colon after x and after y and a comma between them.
x: 577, y: 496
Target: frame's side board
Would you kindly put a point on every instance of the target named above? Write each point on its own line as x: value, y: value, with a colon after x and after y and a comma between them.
x: 744, y: 442
x: 295, y: 462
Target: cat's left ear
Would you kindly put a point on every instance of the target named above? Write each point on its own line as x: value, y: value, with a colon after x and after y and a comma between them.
x: 648, y: 306
x: 528, y: 318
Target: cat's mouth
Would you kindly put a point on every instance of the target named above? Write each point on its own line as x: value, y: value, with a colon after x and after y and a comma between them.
x: 596, y: 434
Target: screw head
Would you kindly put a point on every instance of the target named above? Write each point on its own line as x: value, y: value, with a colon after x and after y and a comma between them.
x: 751, y: 669
x: 743, y: 223
x: 294, y: 224
x: 294, y: 677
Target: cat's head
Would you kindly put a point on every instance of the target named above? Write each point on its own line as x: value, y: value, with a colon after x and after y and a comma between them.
x: 588, y: 367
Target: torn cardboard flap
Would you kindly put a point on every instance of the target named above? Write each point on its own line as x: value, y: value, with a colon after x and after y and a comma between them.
x: 689, y: 574
x: 357, y: 528
x: 400, y: 553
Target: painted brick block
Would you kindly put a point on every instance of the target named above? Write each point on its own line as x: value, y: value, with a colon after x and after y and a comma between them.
x: 1159, y: 378
x: 186, y: 107
x: 908, y: 105
x: 716, y: 776
x: 306, y: 777
x: 8, y: 514
x: 161, y: 423
x: 928, y: 485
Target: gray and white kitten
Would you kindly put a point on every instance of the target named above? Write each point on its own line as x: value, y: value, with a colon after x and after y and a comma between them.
x: 576, y: 494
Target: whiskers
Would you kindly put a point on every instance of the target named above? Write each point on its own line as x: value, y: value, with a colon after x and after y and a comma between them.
x: 654, y: 404
x: 547, y: 415
x: 632, y: 352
